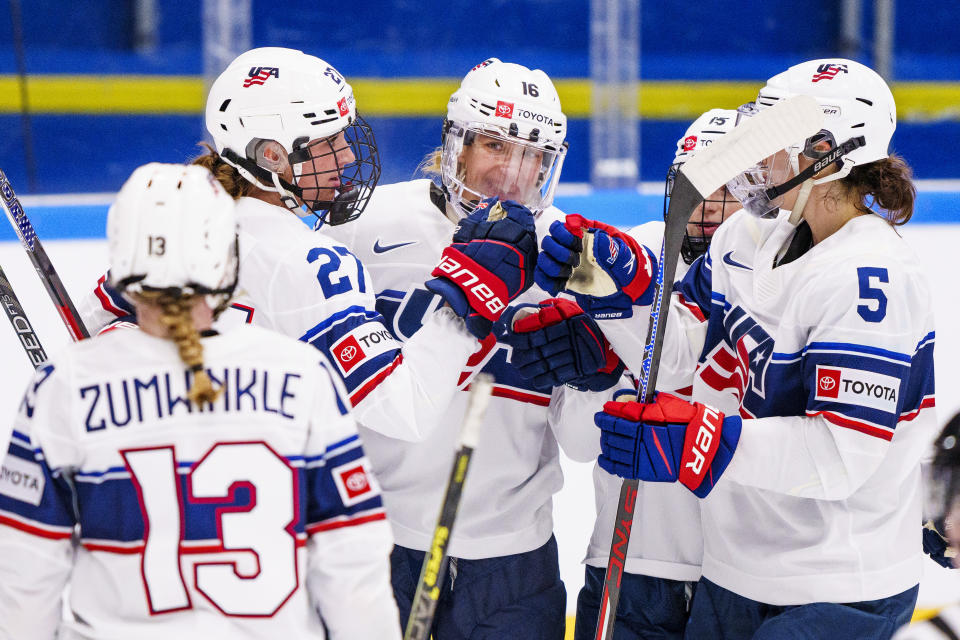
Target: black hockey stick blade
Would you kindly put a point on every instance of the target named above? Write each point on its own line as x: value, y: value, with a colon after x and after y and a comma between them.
x: 21, y: 325
x: 758, y: 137
x: 435, y: 562
x: 38, y: 256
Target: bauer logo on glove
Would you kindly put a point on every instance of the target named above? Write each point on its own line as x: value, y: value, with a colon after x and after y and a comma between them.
x: 489, y: 263
x: 668, y: 440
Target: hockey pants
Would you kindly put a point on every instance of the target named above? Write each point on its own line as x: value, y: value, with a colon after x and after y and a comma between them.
x: 723, y: 615
x: 515, y: 596
x: 649, y: 608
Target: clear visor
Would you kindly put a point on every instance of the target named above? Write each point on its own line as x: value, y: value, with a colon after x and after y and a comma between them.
x: 750, y: 187
x: 481, y: 162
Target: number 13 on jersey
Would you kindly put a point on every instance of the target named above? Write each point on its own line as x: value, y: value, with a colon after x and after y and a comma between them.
x: 263, y: 530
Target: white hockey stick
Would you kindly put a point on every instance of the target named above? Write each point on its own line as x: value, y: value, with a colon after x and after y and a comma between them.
x: 758, y: 137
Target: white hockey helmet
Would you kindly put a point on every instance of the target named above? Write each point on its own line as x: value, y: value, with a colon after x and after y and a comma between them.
x: 860, y: 118
x: 173, y: 228
x: 516, y: 111
x: 701, y: 133
x: 294, y: 99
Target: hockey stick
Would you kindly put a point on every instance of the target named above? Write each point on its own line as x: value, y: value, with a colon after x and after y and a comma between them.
x: 21, y: 326
x: 756, y: 138
x: 31, y: 243
x: 435, y: 563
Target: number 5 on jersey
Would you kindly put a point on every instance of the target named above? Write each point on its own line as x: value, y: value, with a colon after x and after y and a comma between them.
x: 255, y: 585
x: 868, y: 291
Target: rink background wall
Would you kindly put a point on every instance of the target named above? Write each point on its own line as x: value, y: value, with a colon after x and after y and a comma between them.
x: 102, y: 106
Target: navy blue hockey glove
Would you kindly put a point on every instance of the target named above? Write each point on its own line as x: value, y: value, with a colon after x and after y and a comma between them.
x: 937, y: 547
x: 489, y: 263
x: 559, y: 253
x: 668, y: 440
x: 607, y: 271
x: 559, y: 344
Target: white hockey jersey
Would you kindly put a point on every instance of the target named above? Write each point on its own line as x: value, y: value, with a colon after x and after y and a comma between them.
x: 506, y: 506
x: 305, y: 285
x: 665, y: 540
x: 243, y: 520
x: 829, y: 360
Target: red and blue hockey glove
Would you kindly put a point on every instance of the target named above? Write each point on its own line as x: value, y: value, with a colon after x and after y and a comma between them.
x: 559, y: 344
x: 559, y: 254
x: 668, y: 440
x: 605, y: 269
x: 489, y: 263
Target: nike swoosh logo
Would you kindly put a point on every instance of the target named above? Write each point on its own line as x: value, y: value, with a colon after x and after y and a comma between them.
x: 728, y: 259
x: 383, y: 248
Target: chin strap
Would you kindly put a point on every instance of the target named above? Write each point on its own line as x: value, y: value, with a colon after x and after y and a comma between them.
x: 285, y: 190
x: 290, y: 194
x: 797, y: 213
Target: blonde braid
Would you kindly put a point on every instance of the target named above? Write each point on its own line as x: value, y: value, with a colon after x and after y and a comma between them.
x: 176, y: 317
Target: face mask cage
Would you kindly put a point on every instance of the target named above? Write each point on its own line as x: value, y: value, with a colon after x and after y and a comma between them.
x: 696, y: 244
x: 324, y: 167
x: 479, y: 161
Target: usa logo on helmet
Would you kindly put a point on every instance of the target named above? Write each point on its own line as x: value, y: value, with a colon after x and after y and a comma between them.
x: 259, y: 75
x: 829, y: 71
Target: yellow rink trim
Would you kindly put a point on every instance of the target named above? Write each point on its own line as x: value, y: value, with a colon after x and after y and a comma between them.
x: 918, y: 615
x: 418, y: 97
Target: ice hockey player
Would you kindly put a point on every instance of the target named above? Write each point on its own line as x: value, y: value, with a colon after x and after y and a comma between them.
x: 807, y: 330
x: 663, y: 562
x: 503, y: 138
x: 186, y: 483
x: 289, y: 143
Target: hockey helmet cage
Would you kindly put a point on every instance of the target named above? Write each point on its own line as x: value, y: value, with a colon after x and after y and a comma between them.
x: 173, y: 229
x: 860, y: 118
x: 297, y: 100
x: 701, y: 133
x: 515, y: 112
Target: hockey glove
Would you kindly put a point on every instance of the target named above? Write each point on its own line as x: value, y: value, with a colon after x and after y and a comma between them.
x: 666, y: 441
x: 605, y: 269
x: 489, y: 263
x: 559, y: 344
x: 937, y: 547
